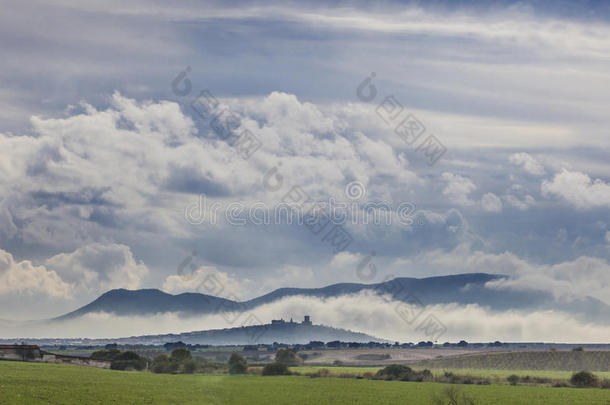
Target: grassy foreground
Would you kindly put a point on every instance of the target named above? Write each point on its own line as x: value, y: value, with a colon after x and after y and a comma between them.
x: 33, y: 384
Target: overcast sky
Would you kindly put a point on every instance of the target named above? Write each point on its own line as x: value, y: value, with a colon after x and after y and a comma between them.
x: 102, y: 154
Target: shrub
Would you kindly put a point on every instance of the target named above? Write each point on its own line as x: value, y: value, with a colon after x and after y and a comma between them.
x: 181, y: 355
x: 189, y: 366
x: 368, y: 375
x: 164, y: 365
x: 128, y: 361
x: 394, y: 372
x: 322, y: 372
x: 276, y: 369
x: 403, y: 373
x: 605, y: 384
x: 237, y: 364
x: 452, y: 396
x: 288, y: 357
x: 513, y: 379
x: 584, y: 379
x: 105, y: 355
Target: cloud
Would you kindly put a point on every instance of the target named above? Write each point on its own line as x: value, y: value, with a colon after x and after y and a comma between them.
x: 528, y: 163
x: 97, y: 268
x: 523, y: 204
x: 25, y: 278
x: 458, y: 188
x: 567, y: 280
x: 206, y: 280
x: 491, y: 203
x: 364, y: 312
x: 578, y: 189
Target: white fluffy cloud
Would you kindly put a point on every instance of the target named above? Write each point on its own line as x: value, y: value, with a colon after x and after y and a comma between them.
x: 578, y: 189
x: 528, y: 163
x: 491, y: 203
x: 206, y: 280
x: 25, y: 278
x: 458, y: 188
x: 98, y: 268
x: 584, y: 276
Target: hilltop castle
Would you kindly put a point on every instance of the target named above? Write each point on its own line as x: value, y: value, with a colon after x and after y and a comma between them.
x: 306, y: 321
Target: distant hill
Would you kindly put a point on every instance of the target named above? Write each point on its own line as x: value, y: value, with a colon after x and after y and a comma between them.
x: 286, y: 332
x: 277, y: 331
x: 462, y: 289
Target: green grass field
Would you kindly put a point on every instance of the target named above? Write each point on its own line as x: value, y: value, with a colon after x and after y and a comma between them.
x: 34, y: 384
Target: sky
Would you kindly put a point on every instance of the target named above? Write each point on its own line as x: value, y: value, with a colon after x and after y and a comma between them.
x: 113, y: 174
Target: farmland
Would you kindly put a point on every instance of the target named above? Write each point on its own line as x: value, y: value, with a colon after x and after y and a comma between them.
x: 526, y: 360
x: 34, y: 384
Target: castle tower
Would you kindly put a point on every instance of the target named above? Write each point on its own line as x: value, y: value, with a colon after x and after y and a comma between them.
x: 307, y: 320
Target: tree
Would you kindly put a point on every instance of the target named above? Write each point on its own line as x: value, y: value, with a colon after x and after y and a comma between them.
x: 181, y: 355
x: 128, y: 361
x: 395, y: 371
x: 513, y: 379
x: 287, y: 357
x: 163, y: 364
x: 189, y: 366
x: 237, y: 364
x: 584, y: 379
x: 105, y: 355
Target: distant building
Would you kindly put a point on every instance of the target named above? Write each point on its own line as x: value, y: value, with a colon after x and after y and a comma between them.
x: 306, y: 321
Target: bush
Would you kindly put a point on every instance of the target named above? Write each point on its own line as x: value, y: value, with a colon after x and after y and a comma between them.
x: 237, y: 364
x: 189, y: 366
x: 164, y: 365
x: 452, y: 396
x: 181, y: 355
x: 105, y: 355
x: 513, y: 379
x: 394, y: 372
x: 287, y: 357
x: 584, y: 379
x: 605, y: 384
x: 322, y: 372
x: 128, y: 361
x: 276, y: 369
x: 403, y: 373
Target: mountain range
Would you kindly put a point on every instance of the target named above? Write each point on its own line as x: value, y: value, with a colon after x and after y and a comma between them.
x: 462, y: 289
